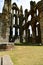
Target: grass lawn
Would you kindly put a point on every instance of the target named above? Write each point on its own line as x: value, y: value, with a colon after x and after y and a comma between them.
x: 25, y: 55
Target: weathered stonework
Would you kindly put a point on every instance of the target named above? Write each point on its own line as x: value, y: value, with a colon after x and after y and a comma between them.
x: 7, y: 20
x: 40, y: 9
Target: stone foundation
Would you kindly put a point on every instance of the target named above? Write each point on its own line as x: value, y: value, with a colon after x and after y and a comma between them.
x: 4, y: 47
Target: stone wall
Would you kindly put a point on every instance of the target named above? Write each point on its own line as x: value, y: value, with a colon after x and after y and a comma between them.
x: 7, y: 21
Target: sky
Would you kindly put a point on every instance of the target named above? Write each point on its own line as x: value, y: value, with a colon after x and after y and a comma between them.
x: 24, y: 3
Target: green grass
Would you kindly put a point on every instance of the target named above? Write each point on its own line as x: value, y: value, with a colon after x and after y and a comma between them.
x: 25, y: 55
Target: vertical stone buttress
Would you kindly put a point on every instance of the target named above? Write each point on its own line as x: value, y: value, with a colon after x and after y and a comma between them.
x: 20, y: 23
x: 26, y: 18
x: 40, y: 11
x: 33, y: 15
x: 6, y: 17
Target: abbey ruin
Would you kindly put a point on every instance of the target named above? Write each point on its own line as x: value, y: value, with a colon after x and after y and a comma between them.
x: 12, y: 17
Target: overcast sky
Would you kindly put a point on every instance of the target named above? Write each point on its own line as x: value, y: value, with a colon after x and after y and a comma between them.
x: 24, y: 3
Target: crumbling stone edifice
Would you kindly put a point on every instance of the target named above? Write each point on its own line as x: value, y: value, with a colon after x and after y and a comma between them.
x: 13, y: 17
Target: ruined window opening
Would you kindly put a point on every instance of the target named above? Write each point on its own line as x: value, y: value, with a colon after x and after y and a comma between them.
x: 13, y: 31
x: 37, y: 28
x: 37, y: 12
x: 14, y: 12
x: 18, y: 31
x: 30, y: 28
x: 24, y: 33
x: 36, y: 31
x: 18, y: 21
x: 29, y: 18
x: 37, y: 23
x: 13, y: 20
x: 23, y: 22
x: 17, y: 12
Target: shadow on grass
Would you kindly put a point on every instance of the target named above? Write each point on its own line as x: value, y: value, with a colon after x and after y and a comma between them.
x: 28, y: 44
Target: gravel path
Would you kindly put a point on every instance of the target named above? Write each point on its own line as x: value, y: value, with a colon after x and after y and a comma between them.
x: 6, y: 60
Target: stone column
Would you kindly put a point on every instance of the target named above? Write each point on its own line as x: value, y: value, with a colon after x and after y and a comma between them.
x: 41, y: 26
x: 26, y: 18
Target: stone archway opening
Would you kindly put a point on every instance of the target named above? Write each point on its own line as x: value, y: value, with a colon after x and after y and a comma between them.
x: 38, y: 33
